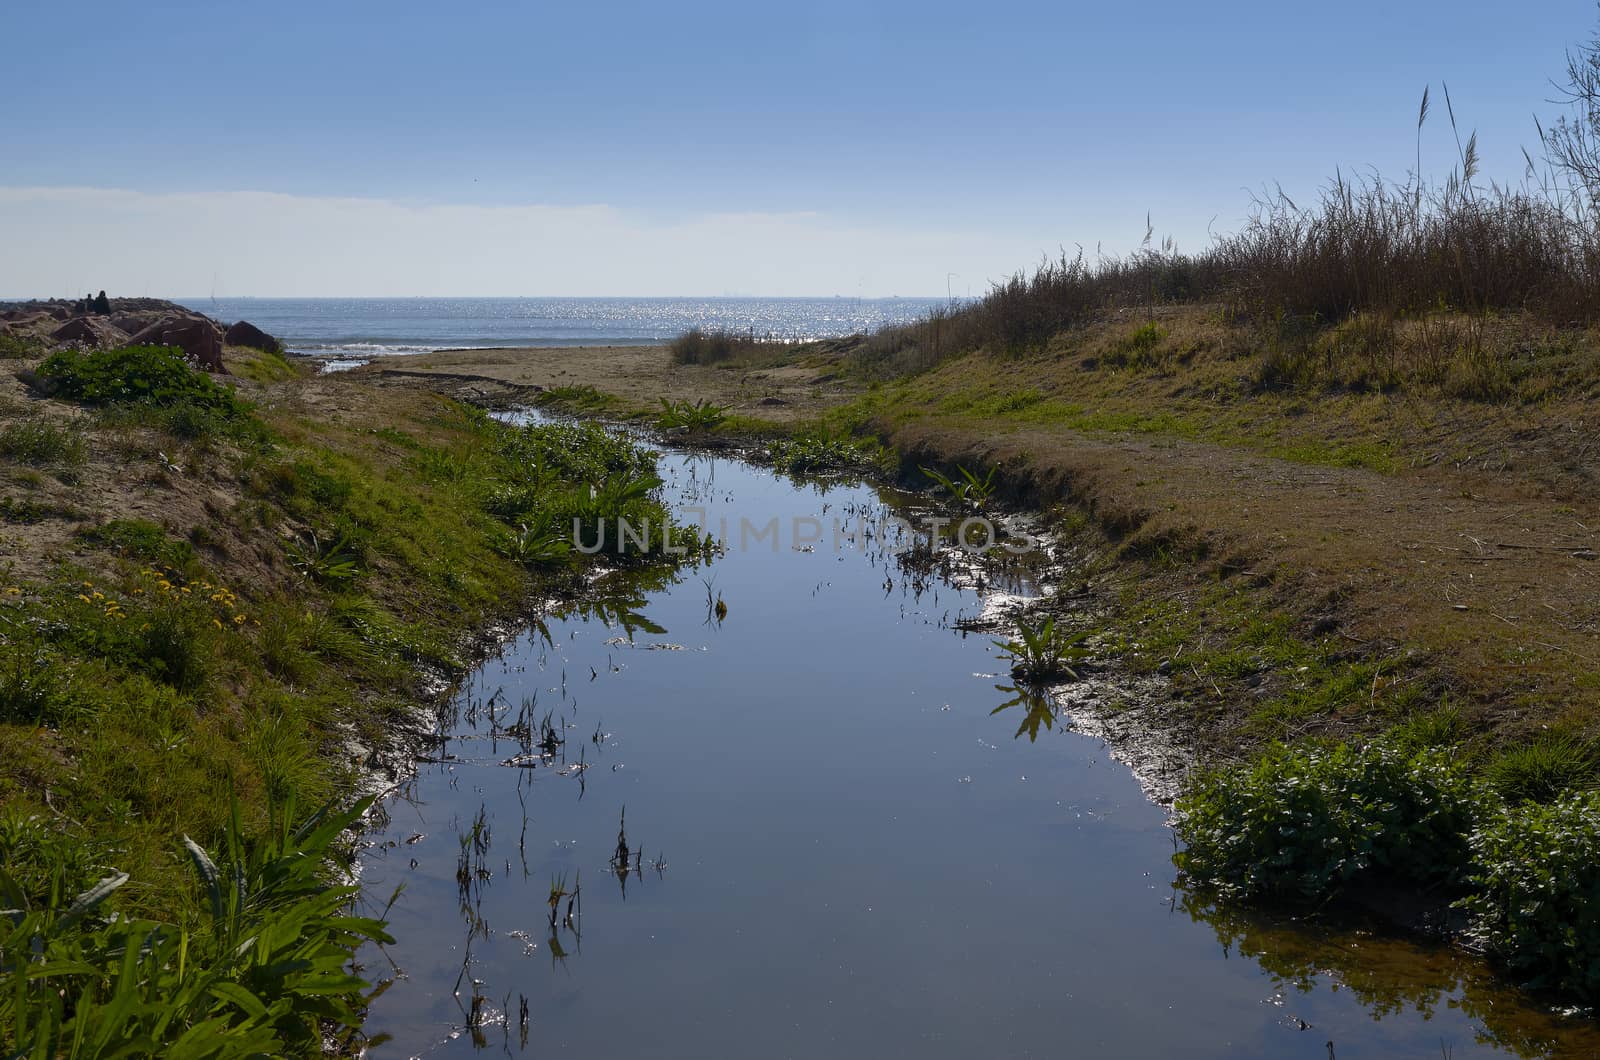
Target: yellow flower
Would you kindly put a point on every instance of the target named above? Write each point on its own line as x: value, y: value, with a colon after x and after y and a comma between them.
x: 99, y: 596
x: 164, y: 583
x: 238, y: 620
x: 13, y: 591
x: 216, y: 623
x: 88, y: 585
x: 85, y: 599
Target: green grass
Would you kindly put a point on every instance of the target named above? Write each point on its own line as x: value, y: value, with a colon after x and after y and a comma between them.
x: 40, y: 442
x: 1545, y: 768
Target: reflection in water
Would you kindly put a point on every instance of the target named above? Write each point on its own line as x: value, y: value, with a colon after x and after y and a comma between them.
x: 1391, y: 978
x: 862, y: 863
x: 1039, y: 709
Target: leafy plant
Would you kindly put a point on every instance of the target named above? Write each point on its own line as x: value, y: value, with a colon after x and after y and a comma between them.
x: 1044, y: 652
x: 1535, y: 899
x: 326, y: 561
x: 264, y: 970
x: 692, y: 416
x: 540, y: 544
x: 969, y: 490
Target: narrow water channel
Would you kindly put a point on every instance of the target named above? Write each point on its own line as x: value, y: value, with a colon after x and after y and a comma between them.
x: 835, y: 847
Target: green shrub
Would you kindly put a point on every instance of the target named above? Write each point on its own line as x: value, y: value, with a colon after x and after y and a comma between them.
x: 1535, y: 902
x: 1302, y: 823
x: 153, y: 385
x: 156, y: 375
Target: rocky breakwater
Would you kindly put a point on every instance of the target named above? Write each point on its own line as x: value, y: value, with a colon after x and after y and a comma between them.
x: 109, y: 322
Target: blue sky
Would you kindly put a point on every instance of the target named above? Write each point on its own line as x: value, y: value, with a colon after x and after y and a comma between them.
x: 891, y: 143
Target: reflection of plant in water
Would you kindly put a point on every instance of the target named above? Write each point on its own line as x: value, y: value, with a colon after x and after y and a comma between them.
x: 716, y: 607
x: 1388, y: 976
x: 1040, y: 709
x: 628, y: 861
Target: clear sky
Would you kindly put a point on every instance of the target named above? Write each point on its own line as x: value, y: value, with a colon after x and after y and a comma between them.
x: 353, y: 148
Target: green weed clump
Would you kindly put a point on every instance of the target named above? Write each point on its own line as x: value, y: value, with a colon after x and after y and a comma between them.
x: 817, y: 453
x: 1303, y: 823
x: 1535, y: 898
x: 263, y: 968
x: 1544, y: 769
x: 692, y: 416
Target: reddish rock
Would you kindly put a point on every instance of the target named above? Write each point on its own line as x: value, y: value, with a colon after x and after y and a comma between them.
x: 197, y: 337
x: 245, y: 333
x: 133, y: 323
x: 90, y: 331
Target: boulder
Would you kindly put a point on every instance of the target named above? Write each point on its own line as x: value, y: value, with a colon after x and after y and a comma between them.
x: 133, y: 323
x: 245, y: 333
x: 90, y: 331
x: 197, y: 337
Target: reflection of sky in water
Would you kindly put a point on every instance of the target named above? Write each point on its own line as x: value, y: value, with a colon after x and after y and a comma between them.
x: 860, y: 859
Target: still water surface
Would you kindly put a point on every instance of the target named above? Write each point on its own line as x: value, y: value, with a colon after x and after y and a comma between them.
x: 837, y: 850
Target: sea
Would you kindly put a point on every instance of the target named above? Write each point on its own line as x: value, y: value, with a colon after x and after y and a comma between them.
x: 343, y: 330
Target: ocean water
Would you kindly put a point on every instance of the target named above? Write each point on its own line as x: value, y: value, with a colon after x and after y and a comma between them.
x: 349, y: 328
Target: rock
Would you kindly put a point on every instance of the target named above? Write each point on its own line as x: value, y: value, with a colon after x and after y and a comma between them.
x: 244, y: 333
x: 133, y: 323
x: 197, y: 337
x: 90, y: 331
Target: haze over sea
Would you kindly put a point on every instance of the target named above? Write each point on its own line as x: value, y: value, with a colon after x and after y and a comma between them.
x: 344, y: 328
